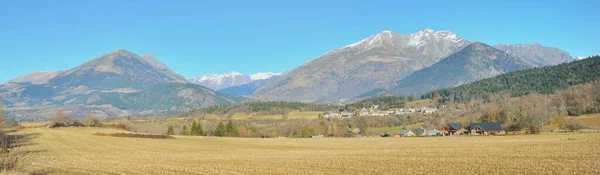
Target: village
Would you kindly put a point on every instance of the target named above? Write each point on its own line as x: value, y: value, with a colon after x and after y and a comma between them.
x: 450, y: 129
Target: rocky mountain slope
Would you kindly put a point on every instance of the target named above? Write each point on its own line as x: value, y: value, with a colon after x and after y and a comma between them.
x: 374, y: 62
x: 115, y: 84
x: 475, y: 62
x: 537, y: 54
x: 36, y: 77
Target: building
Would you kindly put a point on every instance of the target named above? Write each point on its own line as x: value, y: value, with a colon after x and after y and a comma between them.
x: 425, y: 110
x: 418, y: 131
x: 452, y: 129
x: 347, y: 114
x: 364, y: 112
x: 406, y: 133
x: 433, y: 132
x: 332, y: 115
x: 485, y: 128
x: 375, y: 106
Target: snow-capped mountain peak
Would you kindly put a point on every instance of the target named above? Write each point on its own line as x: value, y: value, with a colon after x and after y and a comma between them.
x: 389, y: 39
x: 233, y: 78
x: 263, y: 75
x: 420, y: 38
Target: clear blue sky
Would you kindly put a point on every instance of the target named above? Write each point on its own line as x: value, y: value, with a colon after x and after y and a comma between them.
x: 198, y: 37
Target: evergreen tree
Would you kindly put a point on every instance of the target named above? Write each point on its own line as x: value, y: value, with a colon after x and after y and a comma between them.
x: 220, y: 131
x: 184, y: 131
x: 231, y: 130
x: 193, y: 129
x: 199, y: 131
x: 170, y: 131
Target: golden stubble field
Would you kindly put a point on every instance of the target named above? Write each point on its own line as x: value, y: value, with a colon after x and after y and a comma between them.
x: 77, y: 151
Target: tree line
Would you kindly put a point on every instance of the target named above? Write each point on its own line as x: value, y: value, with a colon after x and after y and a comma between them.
x: 545, y: 80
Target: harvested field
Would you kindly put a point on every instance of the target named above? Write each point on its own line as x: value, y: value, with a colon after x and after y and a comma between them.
x: 77, y: 151
x: 135, y: 135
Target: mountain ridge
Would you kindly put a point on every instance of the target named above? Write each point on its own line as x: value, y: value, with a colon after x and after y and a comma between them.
x: 115, y: 84
x: 373, y: 62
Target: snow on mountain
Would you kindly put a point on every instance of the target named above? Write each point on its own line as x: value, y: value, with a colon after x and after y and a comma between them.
x: 221, y: 81
x: 263, y: 75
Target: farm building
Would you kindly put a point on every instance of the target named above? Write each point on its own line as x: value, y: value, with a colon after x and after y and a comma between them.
x: 406, y: 133
x: 419, y: 131
x: 433, y: 132
x: 364, y: 112
x: 347, y: 115
x: 452, y: 129
x: 485, y: 128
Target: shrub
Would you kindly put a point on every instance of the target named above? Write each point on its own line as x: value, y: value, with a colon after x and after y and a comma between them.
x: 573, y: 126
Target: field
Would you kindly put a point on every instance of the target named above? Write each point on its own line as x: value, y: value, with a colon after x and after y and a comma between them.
x: 419, y: 103
x: 77, y: 151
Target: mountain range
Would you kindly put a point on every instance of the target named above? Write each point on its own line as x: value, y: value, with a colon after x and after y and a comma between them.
x: 371, y: 63
x: 222, y: 81
x: 122, y: 83
x: 379, y: 64
x: 475, y: 62
x: 116, y: 84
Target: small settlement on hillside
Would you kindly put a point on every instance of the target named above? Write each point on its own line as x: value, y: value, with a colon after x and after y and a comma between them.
x: 450, y: 129
x: 374, y: 111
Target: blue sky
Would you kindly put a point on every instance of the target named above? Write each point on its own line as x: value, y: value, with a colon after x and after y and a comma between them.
x: 198, y: 37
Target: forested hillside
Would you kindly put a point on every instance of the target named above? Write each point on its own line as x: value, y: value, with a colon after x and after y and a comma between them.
x: 545, y: 80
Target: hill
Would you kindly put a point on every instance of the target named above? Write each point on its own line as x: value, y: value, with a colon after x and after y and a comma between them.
x: 537, y: 54
x: 116, y: 84
x: 474, y: 62
x: 545, y: 80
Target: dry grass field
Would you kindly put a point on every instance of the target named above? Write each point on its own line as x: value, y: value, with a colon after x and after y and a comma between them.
x: 77, y: 151
x: 419, y: 103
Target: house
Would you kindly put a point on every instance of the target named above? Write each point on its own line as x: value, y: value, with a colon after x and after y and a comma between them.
x: 406, y: 133
x: 375, y: 107
x: 331, y: 115
x: 389, y: 112
x: 433, y: 132
x: 347, y: 114
x: 485, y: 128
x: 364, y: 112
x: 412, y: 110
x: 451, y: 129
x: 418, y: 131
x: 425, y: 110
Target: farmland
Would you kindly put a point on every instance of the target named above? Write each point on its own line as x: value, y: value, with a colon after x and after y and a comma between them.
x: 77, y: 151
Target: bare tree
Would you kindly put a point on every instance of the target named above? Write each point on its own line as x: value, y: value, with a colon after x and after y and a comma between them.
x: 91, y: 121
x: 61, y: 118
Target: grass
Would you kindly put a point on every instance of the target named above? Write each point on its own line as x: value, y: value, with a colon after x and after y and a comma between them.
x: 418, y: 103
x: 77, y: 151
x: 291, y: 116
x: 391, y: 130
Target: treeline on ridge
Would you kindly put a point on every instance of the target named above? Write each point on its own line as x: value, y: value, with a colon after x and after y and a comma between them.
x: 545, y: 80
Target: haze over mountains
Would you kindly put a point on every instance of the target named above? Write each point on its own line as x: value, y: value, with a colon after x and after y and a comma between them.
x: 122, y: 83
